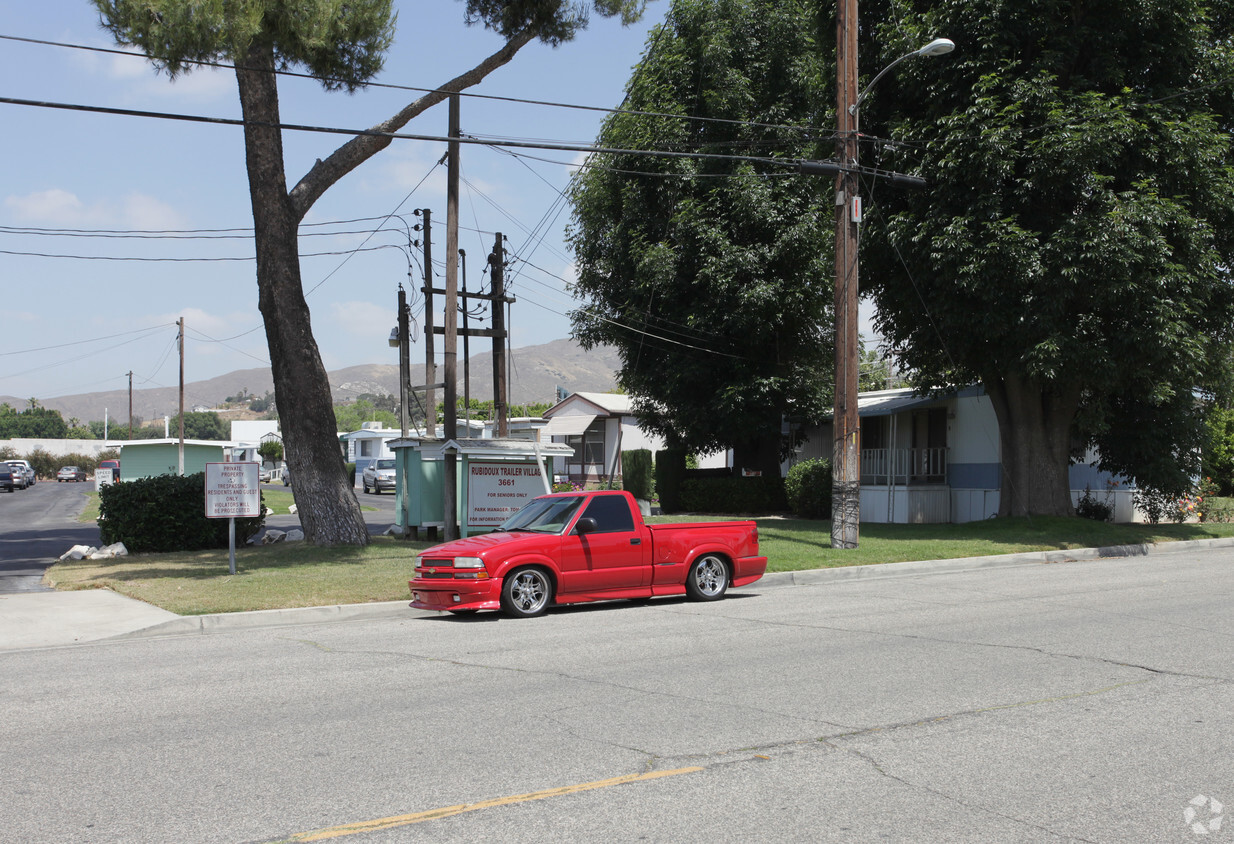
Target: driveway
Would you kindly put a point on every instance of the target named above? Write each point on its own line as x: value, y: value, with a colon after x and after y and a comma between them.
x: 40, y: 524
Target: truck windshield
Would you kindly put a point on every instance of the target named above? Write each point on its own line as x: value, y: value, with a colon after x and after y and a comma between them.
x: 544, y: 515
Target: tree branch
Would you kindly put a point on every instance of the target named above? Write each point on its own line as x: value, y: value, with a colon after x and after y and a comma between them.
x: 322, y: 175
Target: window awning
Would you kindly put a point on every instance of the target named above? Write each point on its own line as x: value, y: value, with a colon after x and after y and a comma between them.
x: 569, y: 426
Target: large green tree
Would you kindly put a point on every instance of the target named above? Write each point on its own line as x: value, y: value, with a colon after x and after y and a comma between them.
x: 1072, y: 249
x: 712, y: 276
x: 342, y: 43
x: 34, y: 422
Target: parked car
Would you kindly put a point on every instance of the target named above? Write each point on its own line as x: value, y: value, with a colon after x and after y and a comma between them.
x: 20, y: 479
x: 569, y: 547
x: 6, y: 478
x: 378, y: 475
x: 31, y: 475
x: 70, y: 473
x: 265, y: 475
x: 114, y: 465
x: 286, y: 476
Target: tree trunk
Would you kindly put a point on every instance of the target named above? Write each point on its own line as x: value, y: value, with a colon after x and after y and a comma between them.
x: 325, y: 497
x: 1034, y: 427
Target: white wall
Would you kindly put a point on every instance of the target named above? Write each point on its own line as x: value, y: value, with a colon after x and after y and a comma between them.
x: 252, y: 430
x: 57, y: 448
x: 972, y: 436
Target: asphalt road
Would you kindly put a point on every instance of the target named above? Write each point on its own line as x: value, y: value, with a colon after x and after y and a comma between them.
x: 1084, y: 701
x: 37, y: 525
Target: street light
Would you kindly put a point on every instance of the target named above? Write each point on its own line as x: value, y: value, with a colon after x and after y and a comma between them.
x: 846, y: 445
x: 937, y: 47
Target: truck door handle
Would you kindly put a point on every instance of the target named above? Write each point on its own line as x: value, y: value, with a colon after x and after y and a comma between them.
x: 636, y: 541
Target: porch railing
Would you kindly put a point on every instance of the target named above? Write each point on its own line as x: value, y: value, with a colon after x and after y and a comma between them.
x: 904, y: 466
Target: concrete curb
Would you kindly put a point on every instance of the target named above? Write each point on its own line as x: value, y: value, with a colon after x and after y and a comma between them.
x: 812, y: 577
x: 269, y: 618
x: 221, y: 622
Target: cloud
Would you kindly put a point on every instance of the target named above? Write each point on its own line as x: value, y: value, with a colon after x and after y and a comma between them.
x: 62, y: 208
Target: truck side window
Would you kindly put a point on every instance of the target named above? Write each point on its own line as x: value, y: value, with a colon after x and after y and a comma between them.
x: 612, y: 514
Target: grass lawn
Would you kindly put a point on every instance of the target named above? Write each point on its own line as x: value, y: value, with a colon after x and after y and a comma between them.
x: 299, y: 575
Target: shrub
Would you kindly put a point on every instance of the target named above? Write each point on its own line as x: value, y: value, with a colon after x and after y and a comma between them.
x: 670, y: 466
x: 808, y: 489
x: 731, y: 495
x: 44, y: 465
x: 1088, y: 507
x: 1154, y: 504
x: 165, y: 513
x: 638, y: 473
x: 350, y: 473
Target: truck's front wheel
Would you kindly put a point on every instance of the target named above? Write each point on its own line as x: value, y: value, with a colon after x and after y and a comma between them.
x: 708, y: 578
x: 526, y: 592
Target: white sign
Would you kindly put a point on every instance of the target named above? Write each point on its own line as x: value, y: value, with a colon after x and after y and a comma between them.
x: 495, y: 491
x: 233, y: 490
x: 102, y: 477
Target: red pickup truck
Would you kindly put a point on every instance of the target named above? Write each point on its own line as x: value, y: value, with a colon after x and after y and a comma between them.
x: 570, y: 547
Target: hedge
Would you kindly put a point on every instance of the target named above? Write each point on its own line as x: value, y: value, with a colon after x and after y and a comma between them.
x: 732, y: 495
x: 165, y: 513
x: 637, y: 473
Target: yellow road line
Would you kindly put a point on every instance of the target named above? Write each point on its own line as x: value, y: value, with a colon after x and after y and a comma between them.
x: 450, y: 811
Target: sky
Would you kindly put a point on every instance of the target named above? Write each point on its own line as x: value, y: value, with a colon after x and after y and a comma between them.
x: 114, y: 227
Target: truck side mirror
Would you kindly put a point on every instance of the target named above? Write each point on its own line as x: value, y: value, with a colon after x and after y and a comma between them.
x: 586, y: 525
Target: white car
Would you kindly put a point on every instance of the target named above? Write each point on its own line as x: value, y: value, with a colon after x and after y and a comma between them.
x: 31, y: 475
x: 70, y: 473
x: 20, y: 479
x: 379, y: 475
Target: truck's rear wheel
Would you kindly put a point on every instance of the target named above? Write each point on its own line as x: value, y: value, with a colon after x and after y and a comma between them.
x: 526, y: 593
x: 708, y: 578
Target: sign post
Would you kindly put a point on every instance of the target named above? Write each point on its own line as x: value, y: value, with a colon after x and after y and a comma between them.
x: 233, y: 490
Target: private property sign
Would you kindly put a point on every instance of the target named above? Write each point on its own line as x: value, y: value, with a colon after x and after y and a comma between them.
x: 496, y: 490
x: 233, y: 490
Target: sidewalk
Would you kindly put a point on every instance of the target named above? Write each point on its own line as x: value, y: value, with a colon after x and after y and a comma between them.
x: 57, y: 619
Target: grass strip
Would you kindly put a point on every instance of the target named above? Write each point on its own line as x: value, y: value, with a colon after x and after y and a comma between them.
x: 299, y: 575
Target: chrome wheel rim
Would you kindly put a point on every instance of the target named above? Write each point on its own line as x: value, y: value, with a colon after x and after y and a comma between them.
x: 710, y: 576
x: 529, y: 592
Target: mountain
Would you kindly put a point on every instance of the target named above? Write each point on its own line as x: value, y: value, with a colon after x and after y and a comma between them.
x: 535, y: 374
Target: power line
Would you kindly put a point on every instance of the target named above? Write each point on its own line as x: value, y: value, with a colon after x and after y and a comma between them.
x: 404, y: 136
x: 395, y: 87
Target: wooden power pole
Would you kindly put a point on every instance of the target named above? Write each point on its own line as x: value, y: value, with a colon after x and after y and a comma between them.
x: 846, y: 447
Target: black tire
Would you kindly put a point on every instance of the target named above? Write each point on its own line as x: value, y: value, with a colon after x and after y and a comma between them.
x: 708, y: 578
x: 365, y: 485
x: 526, y: 593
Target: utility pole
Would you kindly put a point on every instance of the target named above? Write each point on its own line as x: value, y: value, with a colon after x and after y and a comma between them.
x: 181, y: 449
x: 846, y: 446
x: 130, y: 404
x: 404, y: 363
x: 450, y: 352
x: 462, y: 256
x: 430, y: 361
x: 497, y: 265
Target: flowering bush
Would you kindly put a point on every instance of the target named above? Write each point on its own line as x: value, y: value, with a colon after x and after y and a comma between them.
x: 1089, y: 507
x: 1157, y: 505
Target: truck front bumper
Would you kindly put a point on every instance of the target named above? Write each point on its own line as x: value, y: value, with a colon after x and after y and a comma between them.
x: 447, y: 595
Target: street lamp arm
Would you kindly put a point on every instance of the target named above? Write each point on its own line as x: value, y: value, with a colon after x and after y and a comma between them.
x: 937, y: 47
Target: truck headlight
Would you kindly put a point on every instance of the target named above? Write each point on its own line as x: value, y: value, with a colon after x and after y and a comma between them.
x: 469, y: 568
